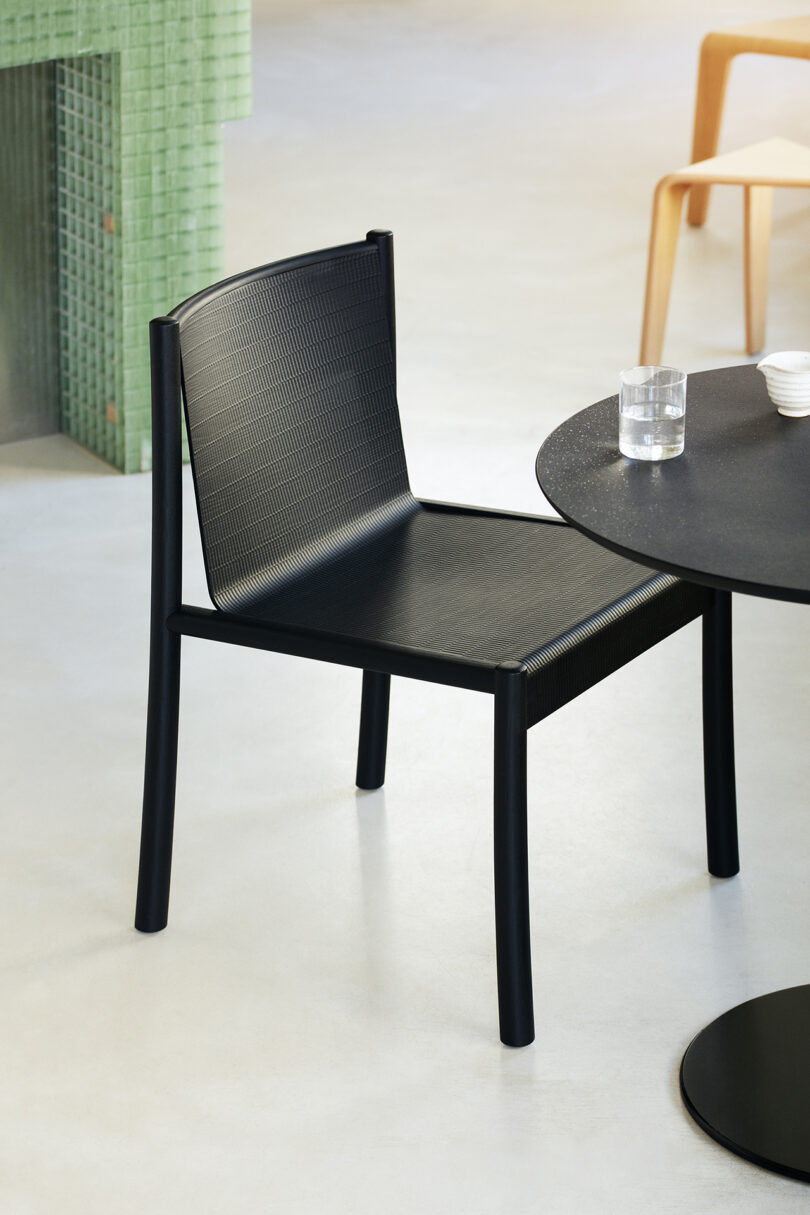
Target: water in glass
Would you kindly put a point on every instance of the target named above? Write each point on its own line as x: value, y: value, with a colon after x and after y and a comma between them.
x: 651, y: 430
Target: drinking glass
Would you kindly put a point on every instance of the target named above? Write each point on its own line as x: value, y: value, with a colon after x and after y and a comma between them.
x: 652, y: 412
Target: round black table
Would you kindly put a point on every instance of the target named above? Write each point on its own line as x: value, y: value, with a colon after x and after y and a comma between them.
x: 733, y: 511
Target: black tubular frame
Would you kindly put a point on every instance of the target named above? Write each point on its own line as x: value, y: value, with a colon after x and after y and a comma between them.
x: 718, y: 738
x: 507, y: 682
x: 154, y: 874
x: 373, y: 742
x: 512, y: 928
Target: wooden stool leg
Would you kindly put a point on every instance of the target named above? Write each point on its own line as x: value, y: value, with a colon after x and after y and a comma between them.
x: 757, y: 237
x: 666, y: 219
x: 715, y: 58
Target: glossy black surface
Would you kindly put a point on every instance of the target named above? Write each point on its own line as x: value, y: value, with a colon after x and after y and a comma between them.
x: 732, y: 511
x: 746, y: 1080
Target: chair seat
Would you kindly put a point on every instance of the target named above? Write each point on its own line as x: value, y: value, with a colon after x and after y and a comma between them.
x: 490, y: 588
x: 770, y: 162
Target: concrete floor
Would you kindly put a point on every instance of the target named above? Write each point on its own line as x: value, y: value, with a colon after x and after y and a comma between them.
x: 316, y: 1030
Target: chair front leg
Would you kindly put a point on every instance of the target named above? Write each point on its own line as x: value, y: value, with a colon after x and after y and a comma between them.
x: 757, y: 208
x: 373, y: 743
x: 718, y: 738
x: 511, y: 858
x: 160, y: 778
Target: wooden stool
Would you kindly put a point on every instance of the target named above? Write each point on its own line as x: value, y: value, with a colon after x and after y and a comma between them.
x: 759, y: 167
x: 788, y: 36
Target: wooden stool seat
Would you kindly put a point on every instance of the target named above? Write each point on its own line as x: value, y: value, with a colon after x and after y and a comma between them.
x: 786, y: 36
x: 757, y: 168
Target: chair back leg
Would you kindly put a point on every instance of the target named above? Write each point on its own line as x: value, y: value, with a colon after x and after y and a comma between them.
x: 716, y: 54
x: 511, y: 858
x: 718, y: 739
x: 152, y: 907
x: 373, y: 742
x: 154, y: 875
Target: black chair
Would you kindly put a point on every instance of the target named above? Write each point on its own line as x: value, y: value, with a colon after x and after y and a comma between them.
x: 314, y: 545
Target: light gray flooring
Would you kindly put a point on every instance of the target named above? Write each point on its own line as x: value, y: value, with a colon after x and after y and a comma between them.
x: 316, y: 1030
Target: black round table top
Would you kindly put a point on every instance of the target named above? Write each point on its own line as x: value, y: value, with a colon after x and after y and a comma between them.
x: 732, y: 511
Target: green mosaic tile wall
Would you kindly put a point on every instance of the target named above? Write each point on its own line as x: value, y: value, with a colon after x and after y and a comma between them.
x: 141, y: 87
x: 90, y: 282
x: 29, y: 350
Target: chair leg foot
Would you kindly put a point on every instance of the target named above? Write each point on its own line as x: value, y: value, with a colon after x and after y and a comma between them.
x: 511, y: 859
x: 154, y: 876
x: 718, y: 739
x: 373, y: 743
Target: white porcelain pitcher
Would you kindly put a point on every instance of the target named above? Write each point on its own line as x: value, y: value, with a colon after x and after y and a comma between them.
x: 787, y: 374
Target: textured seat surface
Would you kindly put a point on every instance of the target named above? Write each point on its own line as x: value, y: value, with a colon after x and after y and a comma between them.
x: 486, y: 587
x: 491, y: 588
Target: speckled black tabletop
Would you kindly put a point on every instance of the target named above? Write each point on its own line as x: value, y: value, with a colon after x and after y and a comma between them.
x: 733, y: 511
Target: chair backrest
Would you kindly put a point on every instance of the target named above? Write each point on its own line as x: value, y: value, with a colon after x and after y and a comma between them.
x: 290, y: 395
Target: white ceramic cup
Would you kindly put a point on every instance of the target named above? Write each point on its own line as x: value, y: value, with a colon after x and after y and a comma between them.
x: 787, y: 376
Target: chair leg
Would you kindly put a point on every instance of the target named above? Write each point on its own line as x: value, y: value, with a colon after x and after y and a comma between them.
x: 154, y: 876
x: 718, y: 739
x: 373, y: 730
x: 511, y: 859
x: 757, y: 243
x: 715, y: 60
x: 667, y: 205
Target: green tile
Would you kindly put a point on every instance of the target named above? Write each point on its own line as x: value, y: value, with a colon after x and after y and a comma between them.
x: 142, y: 91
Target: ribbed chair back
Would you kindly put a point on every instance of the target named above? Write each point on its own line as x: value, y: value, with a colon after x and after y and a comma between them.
x: 292, y: 417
